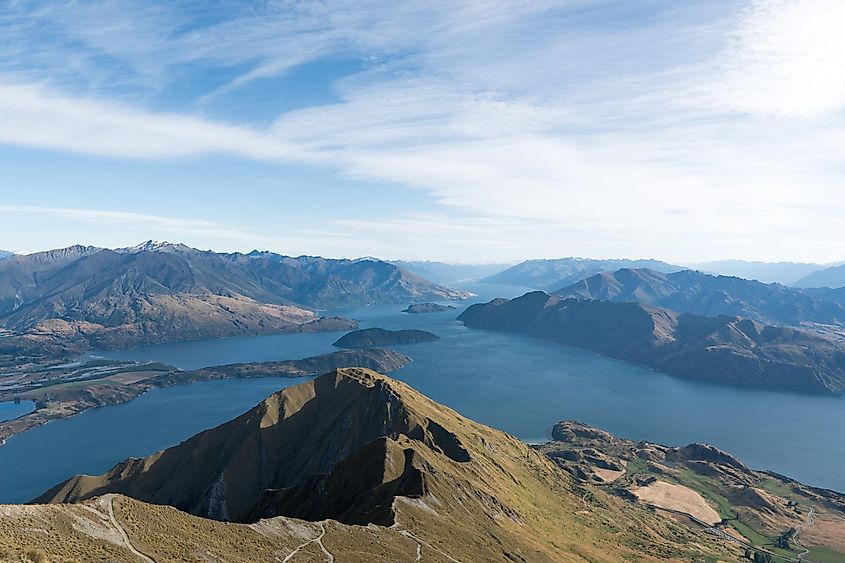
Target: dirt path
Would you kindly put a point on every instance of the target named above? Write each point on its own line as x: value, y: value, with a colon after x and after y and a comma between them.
x: 123, y: 535
x: 421, y: 543
x: 319, y: 541
x: 811, y: 519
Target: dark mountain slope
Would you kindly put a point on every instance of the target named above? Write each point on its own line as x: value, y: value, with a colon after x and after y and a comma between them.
x: 720, y: 350
x: 702, y: 294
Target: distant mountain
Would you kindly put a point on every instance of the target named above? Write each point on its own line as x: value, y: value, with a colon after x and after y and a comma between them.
x: 355, y: 466
x: 5, y: 254
x: 325, y: 283
x: 551, y: 275
x: 787, y: 273
x: 688, y: 291
x: 158, y: 292
x: 720, y: 350
x: 442, y: 272
x: 833, y: 277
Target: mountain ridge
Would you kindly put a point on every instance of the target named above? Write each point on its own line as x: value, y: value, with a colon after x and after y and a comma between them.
x: 832, y: 277
x: 698, y: 293
x: 556, y: 273
x: 786, y: 273
x: 159, y: 291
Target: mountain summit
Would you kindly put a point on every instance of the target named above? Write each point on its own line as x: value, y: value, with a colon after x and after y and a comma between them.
x: 359, y: 448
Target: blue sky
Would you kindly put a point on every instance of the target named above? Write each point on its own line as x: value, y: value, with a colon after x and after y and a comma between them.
x: 474, y: 131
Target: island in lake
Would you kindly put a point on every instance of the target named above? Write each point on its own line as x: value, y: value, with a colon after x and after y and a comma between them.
x: 421, y: 308
x: 368, y: 337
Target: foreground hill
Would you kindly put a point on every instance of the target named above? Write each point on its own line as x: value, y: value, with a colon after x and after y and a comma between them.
x: 378, y: 470
x: 550, y: 275
x: 720, y: 350
x: 702, y: 294
x: 159, y: 292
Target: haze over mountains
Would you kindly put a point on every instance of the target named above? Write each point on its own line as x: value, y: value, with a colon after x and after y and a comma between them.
x: 724, y: 349
x: 833, y: 276
x: 157, y: 292
x: 695, y: 292
x: 550, y: 275
x: 787, y: 273
x: 445, y: 273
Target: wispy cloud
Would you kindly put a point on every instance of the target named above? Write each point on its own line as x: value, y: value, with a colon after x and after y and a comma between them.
x: 589, y: 122
x: 169, y: 225
x: 787, y: 57
x: 34, y: 116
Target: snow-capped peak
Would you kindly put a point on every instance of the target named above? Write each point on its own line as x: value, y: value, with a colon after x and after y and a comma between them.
x: 154, y: 246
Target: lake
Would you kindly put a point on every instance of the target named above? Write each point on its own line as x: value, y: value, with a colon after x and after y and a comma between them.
x: 515, y: 383
x: 10, y: 409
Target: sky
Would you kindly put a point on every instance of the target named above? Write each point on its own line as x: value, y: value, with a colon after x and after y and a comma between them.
x: 461, y: 131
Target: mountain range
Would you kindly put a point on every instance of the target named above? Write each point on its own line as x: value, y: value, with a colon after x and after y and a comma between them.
x: 550, y: 275
x: 689, y: 291
x: 723, y: 349
x: 833, y: 277
x: 787, y: 273
x: 158, y: 292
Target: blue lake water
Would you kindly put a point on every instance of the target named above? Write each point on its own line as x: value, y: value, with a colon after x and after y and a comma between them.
x: 93, y: 441
x: 10, y: 410
x: 518, y: 384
